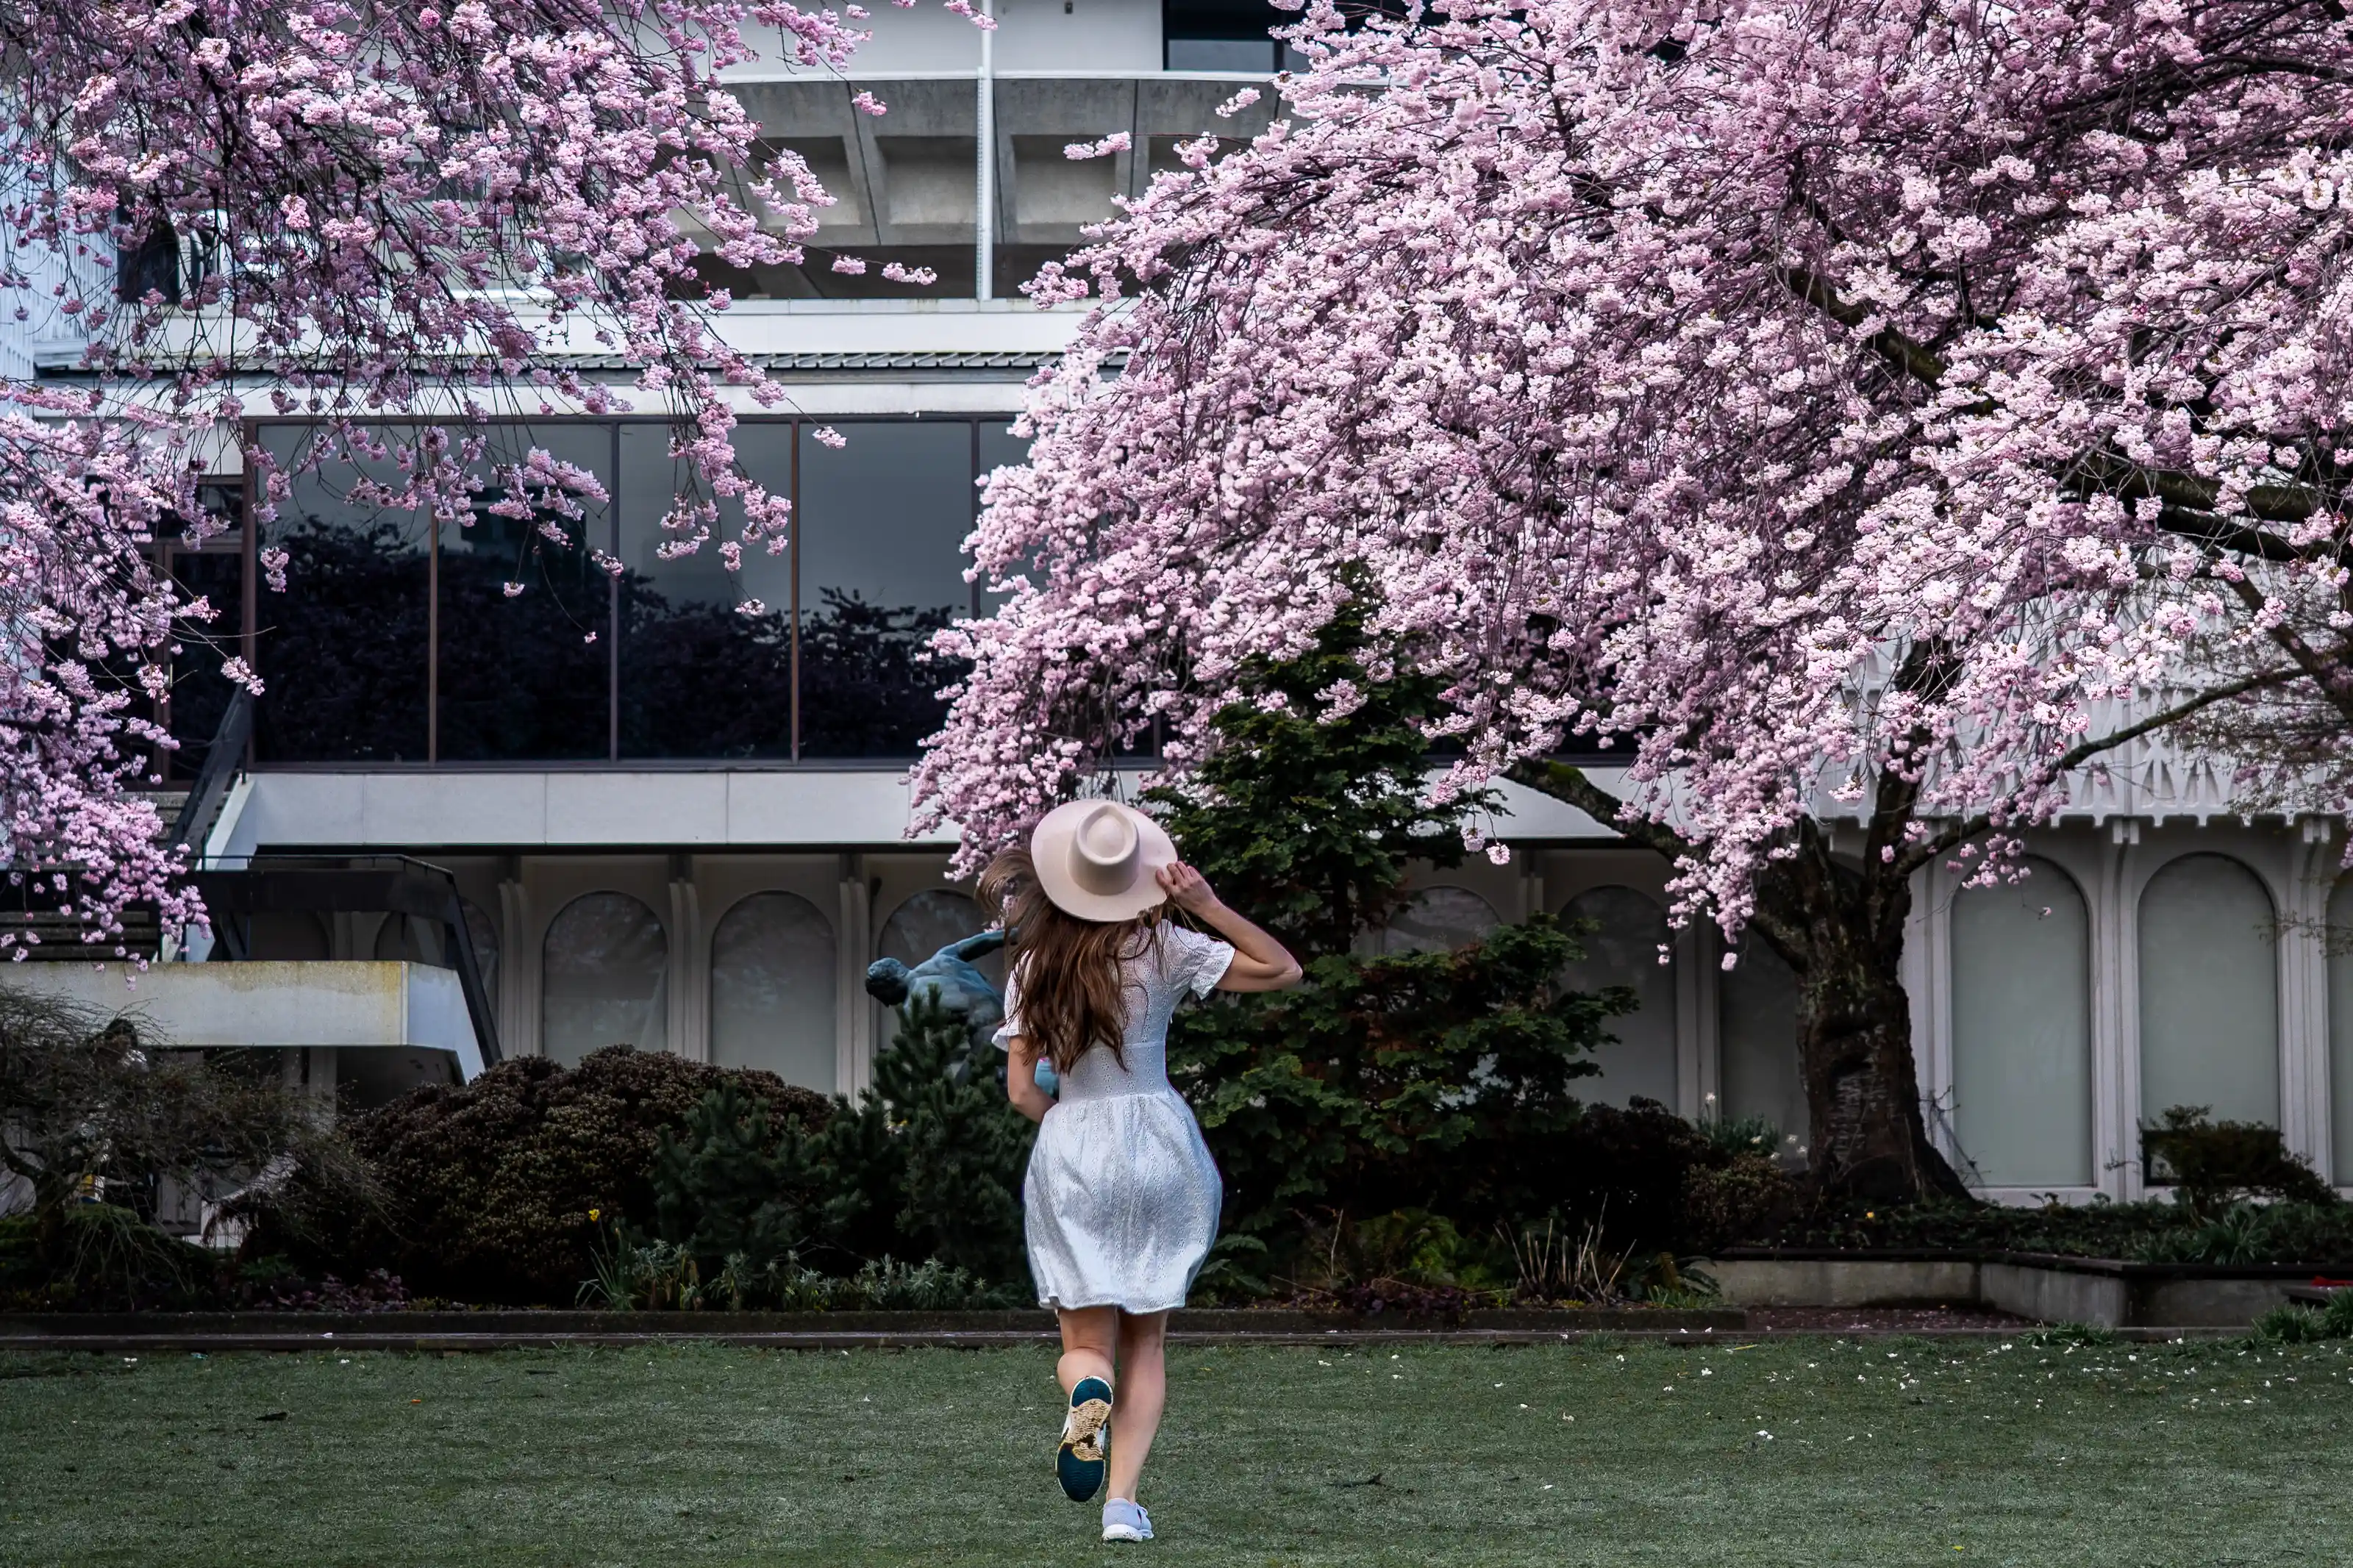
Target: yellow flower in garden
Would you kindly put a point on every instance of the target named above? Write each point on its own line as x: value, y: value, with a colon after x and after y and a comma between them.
x: 596, y: 1215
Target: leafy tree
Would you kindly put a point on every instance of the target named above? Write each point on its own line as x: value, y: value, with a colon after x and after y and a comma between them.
x: 90, y: 1112
x: 926, y: 1164
x: 1425, y: 1079
x: 1878, y: 412
x: 1434, y: 1079
x: 1315, y: 793
x: 724, y: 1186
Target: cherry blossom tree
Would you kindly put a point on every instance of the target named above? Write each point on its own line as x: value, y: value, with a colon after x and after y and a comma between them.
x: 1884, y: 412
x: 345, y: 211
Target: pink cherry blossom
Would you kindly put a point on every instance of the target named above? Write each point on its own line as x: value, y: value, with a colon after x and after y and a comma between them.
x: 390, y: 211
x: 1889, y: 409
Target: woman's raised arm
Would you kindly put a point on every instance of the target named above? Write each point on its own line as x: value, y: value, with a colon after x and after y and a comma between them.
x: 1261, y: 962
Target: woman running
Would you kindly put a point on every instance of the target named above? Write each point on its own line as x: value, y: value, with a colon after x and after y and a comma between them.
x: 1121, y: 1200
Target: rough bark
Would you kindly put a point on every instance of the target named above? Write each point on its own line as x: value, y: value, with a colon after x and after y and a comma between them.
x: 1867, y: 1137
x: 1841, y: 928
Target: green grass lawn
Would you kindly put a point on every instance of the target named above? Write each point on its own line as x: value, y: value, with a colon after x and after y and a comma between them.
x: 1879, y: 1453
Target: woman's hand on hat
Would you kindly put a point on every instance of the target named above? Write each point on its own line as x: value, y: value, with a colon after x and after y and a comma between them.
x: 1185, y: 887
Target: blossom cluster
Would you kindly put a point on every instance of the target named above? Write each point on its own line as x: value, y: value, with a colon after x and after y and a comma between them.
x: 1854, y: 402
x: 398, y: 221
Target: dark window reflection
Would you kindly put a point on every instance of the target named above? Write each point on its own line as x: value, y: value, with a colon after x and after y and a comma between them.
x: 702, y: 675
x: 882, y: 521
x: 342, y: 652
x: 526, y: 678
x: 673, y: 657
x: 199, y: 693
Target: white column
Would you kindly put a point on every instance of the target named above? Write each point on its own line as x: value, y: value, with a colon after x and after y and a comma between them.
x: 1699, y: 1002
x: 1927, y: 969
x: 1695, y: 1064
x: 518, y: 998
x: 853, y: 1009
x: 690, y: 973
x: 2305, y: 1103
x: 2116, y: 1013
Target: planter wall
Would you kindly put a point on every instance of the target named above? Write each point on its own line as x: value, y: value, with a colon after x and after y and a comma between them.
x: 2106, y: 1292
x: 1844, y: 1281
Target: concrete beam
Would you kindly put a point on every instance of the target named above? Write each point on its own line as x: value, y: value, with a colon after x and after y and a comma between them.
x: 309, y: 1004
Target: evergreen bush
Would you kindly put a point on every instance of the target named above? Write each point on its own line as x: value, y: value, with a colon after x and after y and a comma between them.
x: 1443, y: 1081
x: 496, y: 1189
x: 2212, y: 1163
x: 926, y: 1163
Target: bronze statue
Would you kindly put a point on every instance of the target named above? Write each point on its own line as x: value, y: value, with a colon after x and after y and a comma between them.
x: 949, y: 981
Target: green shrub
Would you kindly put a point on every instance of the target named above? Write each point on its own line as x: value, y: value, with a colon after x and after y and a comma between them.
x: 498, y: 1187
x: 661, y: 1276
x: 2312, y: 1236
x: 2291, y: 1325
x: 1384, y: 1082
x: 926, y: 1163
x: 101, y: 1257
x: 1746, y: 1195
x: 2211, y: 1162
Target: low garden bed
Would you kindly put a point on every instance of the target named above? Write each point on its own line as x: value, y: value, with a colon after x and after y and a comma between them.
x: 2047, y: 1287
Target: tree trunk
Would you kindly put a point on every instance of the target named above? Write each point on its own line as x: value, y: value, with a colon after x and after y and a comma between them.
x: 1842, y: 930
x: 1867, y: 1139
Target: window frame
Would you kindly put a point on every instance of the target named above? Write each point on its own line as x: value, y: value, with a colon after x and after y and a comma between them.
x: 249, y: 645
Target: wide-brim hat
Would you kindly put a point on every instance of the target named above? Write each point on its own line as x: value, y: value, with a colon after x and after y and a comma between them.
x: 1099, y: 860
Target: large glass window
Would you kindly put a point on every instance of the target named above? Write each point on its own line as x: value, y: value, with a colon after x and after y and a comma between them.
x: 523, y: 674
x: 2209, y: 992
x: 215, y: 573
x: 703, y: 674
x: 497, y: 640
x: 772, y: 990
x: 1624, y: 951
x: 344, y: 652
x: 2022, y: 1031
x: 1757, y: 1028
x: 883, y: 517
x: 604, y: 979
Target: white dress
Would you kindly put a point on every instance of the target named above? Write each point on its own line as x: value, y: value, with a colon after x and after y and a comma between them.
x: 1119, y: 1205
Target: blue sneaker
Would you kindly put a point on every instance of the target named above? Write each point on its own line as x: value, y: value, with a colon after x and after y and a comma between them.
x: 1085, y: 1450
x: 1125, y: 1520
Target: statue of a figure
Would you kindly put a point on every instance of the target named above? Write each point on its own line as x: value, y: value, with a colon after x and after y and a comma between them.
x: 949, y: 980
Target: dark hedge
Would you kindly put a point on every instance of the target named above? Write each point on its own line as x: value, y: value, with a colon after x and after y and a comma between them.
x: 488, y: 1188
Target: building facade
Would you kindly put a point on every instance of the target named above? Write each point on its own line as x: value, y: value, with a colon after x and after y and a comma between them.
x: 682, y: 826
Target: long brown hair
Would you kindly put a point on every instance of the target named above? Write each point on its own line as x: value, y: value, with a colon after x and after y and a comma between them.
x: 1072, y: 997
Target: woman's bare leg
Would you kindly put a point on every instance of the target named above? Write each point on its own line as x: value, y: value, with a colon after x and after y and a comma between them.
x: 1142, y: 1394
x: 1090, y: 1335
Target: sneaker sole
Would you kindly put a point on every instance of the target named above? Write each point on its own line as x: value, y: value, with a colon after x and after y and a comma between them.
x: 1123, y: 1533
x: 1081, y: 1473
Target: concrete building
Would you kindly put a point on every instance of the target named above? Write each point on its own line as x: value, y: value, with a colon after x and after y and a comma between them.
x: 689, y: 833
